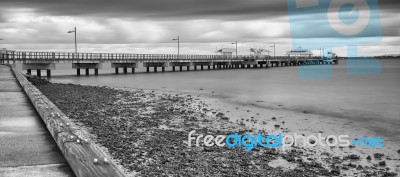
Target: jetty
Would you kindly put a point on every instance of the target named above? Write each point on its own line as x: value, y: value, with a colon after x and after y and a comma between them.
x: 93, y: 61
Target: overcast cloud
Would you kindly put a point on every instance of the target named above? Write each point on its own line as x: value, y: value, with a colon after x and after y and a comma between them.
x: 147, y: 26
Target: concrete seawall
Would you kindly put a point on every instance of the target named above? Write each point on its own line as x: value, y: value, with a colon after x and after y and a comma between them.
x: 26, y: 147
x: 84, y: 156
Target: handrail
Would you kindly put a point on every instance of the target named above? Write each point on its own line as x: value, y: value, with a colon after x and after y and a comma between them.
x: 30, y: 55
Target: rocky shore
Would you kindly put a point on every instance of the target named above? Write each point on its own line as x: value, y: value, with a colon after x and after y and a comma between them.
x: 146, y: 132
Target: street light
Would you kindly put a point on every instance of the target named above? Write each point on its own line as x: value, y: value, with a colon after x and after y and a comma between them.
x: 76, y: 48
x: 236, y: 47
x: 321, y: 52
x: 274, y: 49
x: 177, y: 39
x: 300, y: 52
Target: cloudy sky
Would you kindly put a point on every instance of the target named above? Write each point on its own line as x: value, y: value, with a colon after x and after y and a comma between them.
x: 148, y: 26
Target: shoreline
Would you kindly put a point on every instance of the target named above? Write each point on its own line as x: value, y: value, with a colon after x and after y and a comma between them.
x: 283, y: 161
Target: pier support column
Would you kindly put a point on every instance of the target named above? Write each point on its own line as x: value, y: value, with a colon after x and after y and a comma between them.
x: 173, y: 68
x: 116, y: 71
x: 201, y: 67
x: 133, y: 70
x: 163, y: 69
x: 213, y: 66
x: 29, y: 71
x: 255, y: 66
x: 125, y: 70
x: 78, y: 72
x: 209, y: 67
x: 188, y: 68
x: 195, y: 67
x: 155, y: 69
x: 96, y: 71
x: 48, y: 73
x: 87, y: 71
x: 38, y: 73
x: 180, y: 68
x: 147, y: 69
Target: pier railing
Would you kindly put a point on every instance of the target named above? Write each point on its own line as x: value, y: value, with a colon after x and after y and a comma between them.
x: 25, y: 55
x: 70, y: 56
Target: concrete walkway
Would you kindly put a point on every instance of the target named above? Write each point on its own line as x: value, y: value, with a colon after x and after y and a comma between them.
x: 26, y: 146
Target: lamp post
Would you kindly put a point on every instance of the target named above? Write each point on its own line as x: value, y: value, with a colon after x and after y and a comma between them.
x: 177, y: 39
x: 236, y: 47
x: 300, y: 52
x: 321, y: 52
x: 274, y: 50
x: 76, y: 47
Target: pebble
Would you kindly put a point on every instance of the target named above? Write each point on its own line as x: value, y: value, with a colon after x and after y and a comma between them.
x: 382, y: 163
x: 378, y: 155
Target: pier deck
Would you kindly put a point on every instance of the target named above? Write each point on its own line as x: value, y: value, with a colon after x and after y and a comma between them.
x: 26, y: 146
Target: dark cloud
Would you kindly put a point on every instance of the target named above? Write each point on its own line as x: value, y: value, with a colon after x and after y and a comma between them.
x: 167, y: 9
x: 155, y: 8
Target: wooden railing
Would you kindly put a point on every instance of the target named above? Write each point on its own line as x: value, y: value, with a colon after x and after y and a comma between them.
x: 57, y: 56
x: 24, y: 55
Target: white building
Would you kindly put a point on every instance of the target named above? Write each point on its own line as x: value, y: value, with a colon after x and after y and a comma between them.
x: 303, y: 53
x: 228, y: 52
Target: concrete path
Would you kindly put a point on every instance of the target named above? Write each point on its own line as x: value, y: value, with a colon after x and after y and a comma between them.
x: 26, y: 146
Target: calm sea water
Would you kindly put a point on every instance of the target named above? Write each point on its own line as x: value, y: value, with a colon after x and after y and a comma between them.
x: 370, y: 101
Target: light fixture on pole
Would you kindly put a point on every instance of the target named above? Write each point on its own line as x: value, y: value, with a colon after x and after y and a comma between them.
x: 274, y: 50
x: 76, y: 47
x: 177, y: 39
x: 321, y: 52
x: 300, y: 51
x: 236, y: 47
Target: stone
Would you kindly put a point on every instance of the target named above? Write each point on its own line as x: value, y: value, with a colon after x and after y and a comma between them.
x: 378, y: 155
x: 382, y: 163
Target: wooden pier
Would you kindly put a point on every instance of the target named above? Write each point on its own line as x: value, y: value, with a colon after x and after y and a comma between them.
x: 93, y: 61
